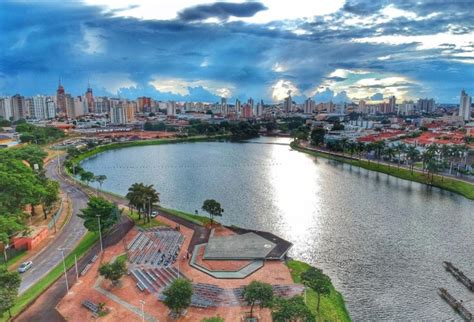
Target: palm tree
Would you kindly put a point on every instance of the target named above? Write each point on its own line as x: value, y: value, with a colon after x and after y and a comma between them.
x: 352, y: 147
x: 400, y: 148
x: 389, y: 152
x: 343, y: 143
x: 360, y: 148
x: 379, y: 147
x: 136, y: 198
x: 412, y: 155
x: 152, y: 197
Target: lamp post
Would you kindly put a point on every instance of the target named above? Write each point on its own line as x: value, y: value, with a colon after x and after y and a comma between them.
x: 100, y: 235
x: 77, y: 271
x: 143, y: 310
x: 65, y: 272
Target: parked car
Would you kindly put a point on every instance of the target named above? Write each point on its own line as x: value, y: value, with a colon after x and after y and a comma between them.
x: 154, y: 213
x: 25, y: 266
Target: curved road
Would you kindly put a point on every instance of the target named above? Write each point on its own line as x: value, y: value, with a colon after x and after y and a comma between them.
x: 67, y: 238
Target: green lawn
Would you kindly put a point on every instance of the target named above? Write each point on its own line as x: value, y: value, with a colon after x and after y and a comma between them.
x: 34, y: 291
x: 200, y: 220
x: 14, y: 259
x: 332, y: 307
x: 456, y: 186
x: 154, y: 222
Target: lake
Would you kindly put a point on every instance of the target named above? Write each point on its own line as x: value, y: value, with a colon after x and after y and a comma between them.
x: 381, y: 239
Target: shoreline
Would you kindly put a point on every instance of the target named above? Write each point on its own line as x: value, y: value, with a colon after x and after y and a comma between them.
x: 334, y: 303
x: 445, y: 183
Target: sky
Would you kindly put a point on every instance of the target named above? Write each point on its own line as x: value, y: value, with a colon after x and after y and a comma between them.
x: 201, y: 50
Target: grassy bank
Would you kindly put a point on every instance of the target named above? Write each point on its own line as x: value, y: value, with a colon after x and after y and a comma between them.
x: 120, y: 145
x: 200, y: 220
x: 463, y: 188
x: 332, y: 307
x: 14, y: 259
x: 139, y: 221
x: 34, y: 291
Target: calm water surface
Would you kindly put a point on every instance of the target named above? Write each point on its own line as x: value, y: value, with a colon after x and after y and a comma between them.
x: 381, y: 239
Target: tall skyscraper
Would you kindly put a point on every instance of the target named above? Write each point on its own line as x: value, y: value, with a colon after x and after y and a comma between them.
x: 18, y: 105
x: 247, y: 111
x: 6, y: 108
x: 90, y: 99
x: 224, y: 106
x: 392, y: 104
x: 237, y: 106
x: 251, y: 102
x: 288, y: 104
x: 39, y: 110
x: 425, y: 105
x: 363, y: 107
x: 61, y: 100
x: 144, y: 104
x: 309, y: 106
x: 465, y: 106
x: 171, y: 108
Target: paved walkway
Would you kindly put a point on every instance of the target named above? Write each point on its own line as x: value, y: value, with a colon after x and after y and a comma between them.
x: 123, y: 303
x: 44, y: 307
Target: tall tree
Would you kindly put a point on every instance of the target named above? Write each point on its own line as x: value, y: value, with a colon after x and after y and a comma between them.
x: 50, y: 197
x: 317, y: 136
x: 114, y: 271
x: 412, y: 155
x: 258, y: 293
x: 87, y: 177
x: 213, y: 208
x: 291, y: 310
x: 9, y: 284
x: 318, y: 281
x: 99, y: 208
x: 178, y: 296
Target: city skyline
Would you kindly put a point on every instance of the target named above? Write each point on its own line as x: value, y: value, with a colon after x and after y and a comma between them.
x: 202, y: 51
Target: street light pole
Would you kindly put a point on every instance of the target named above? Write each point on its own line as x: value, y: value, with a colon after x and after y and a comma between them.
x: 100, y: 235
x: 65, y: 272
x: 143, y: 311
x: 75, y: 263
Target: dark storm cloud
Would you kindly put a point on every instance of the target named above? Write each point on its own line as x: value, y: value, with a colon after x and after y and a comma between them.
x: 221, y: 11
x: 79, y: 42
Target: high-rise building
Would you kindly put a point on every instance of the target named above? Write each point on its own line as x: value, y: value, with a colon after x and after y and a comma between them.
x: 247, y: 111
x: 144, y: 104
x: 425, y: 105
x: 61, y: 100
x: 309, y: 106
x: 251, y: 102
x: 465, y: 106
x: 407, y: 108
x: 288, y: 104
x: 224, y: 107
x: 238, y: 107
x: 171, y: 108
x: 39, y: 110
x: 18, y: 105
x: 392, y: 104
x: 362, y: 107
x: 6, y: 108
x: 90, y: 99
x: 69, y: 100
x: 121, y: 113
x: 81, y: 106
x: 50, y: 108
x: 101, y: 105
x: 260, y: 108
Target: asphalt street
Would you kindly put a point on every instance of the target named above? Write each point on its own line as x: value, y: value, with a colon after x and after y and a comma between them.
x: 67, y: 238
